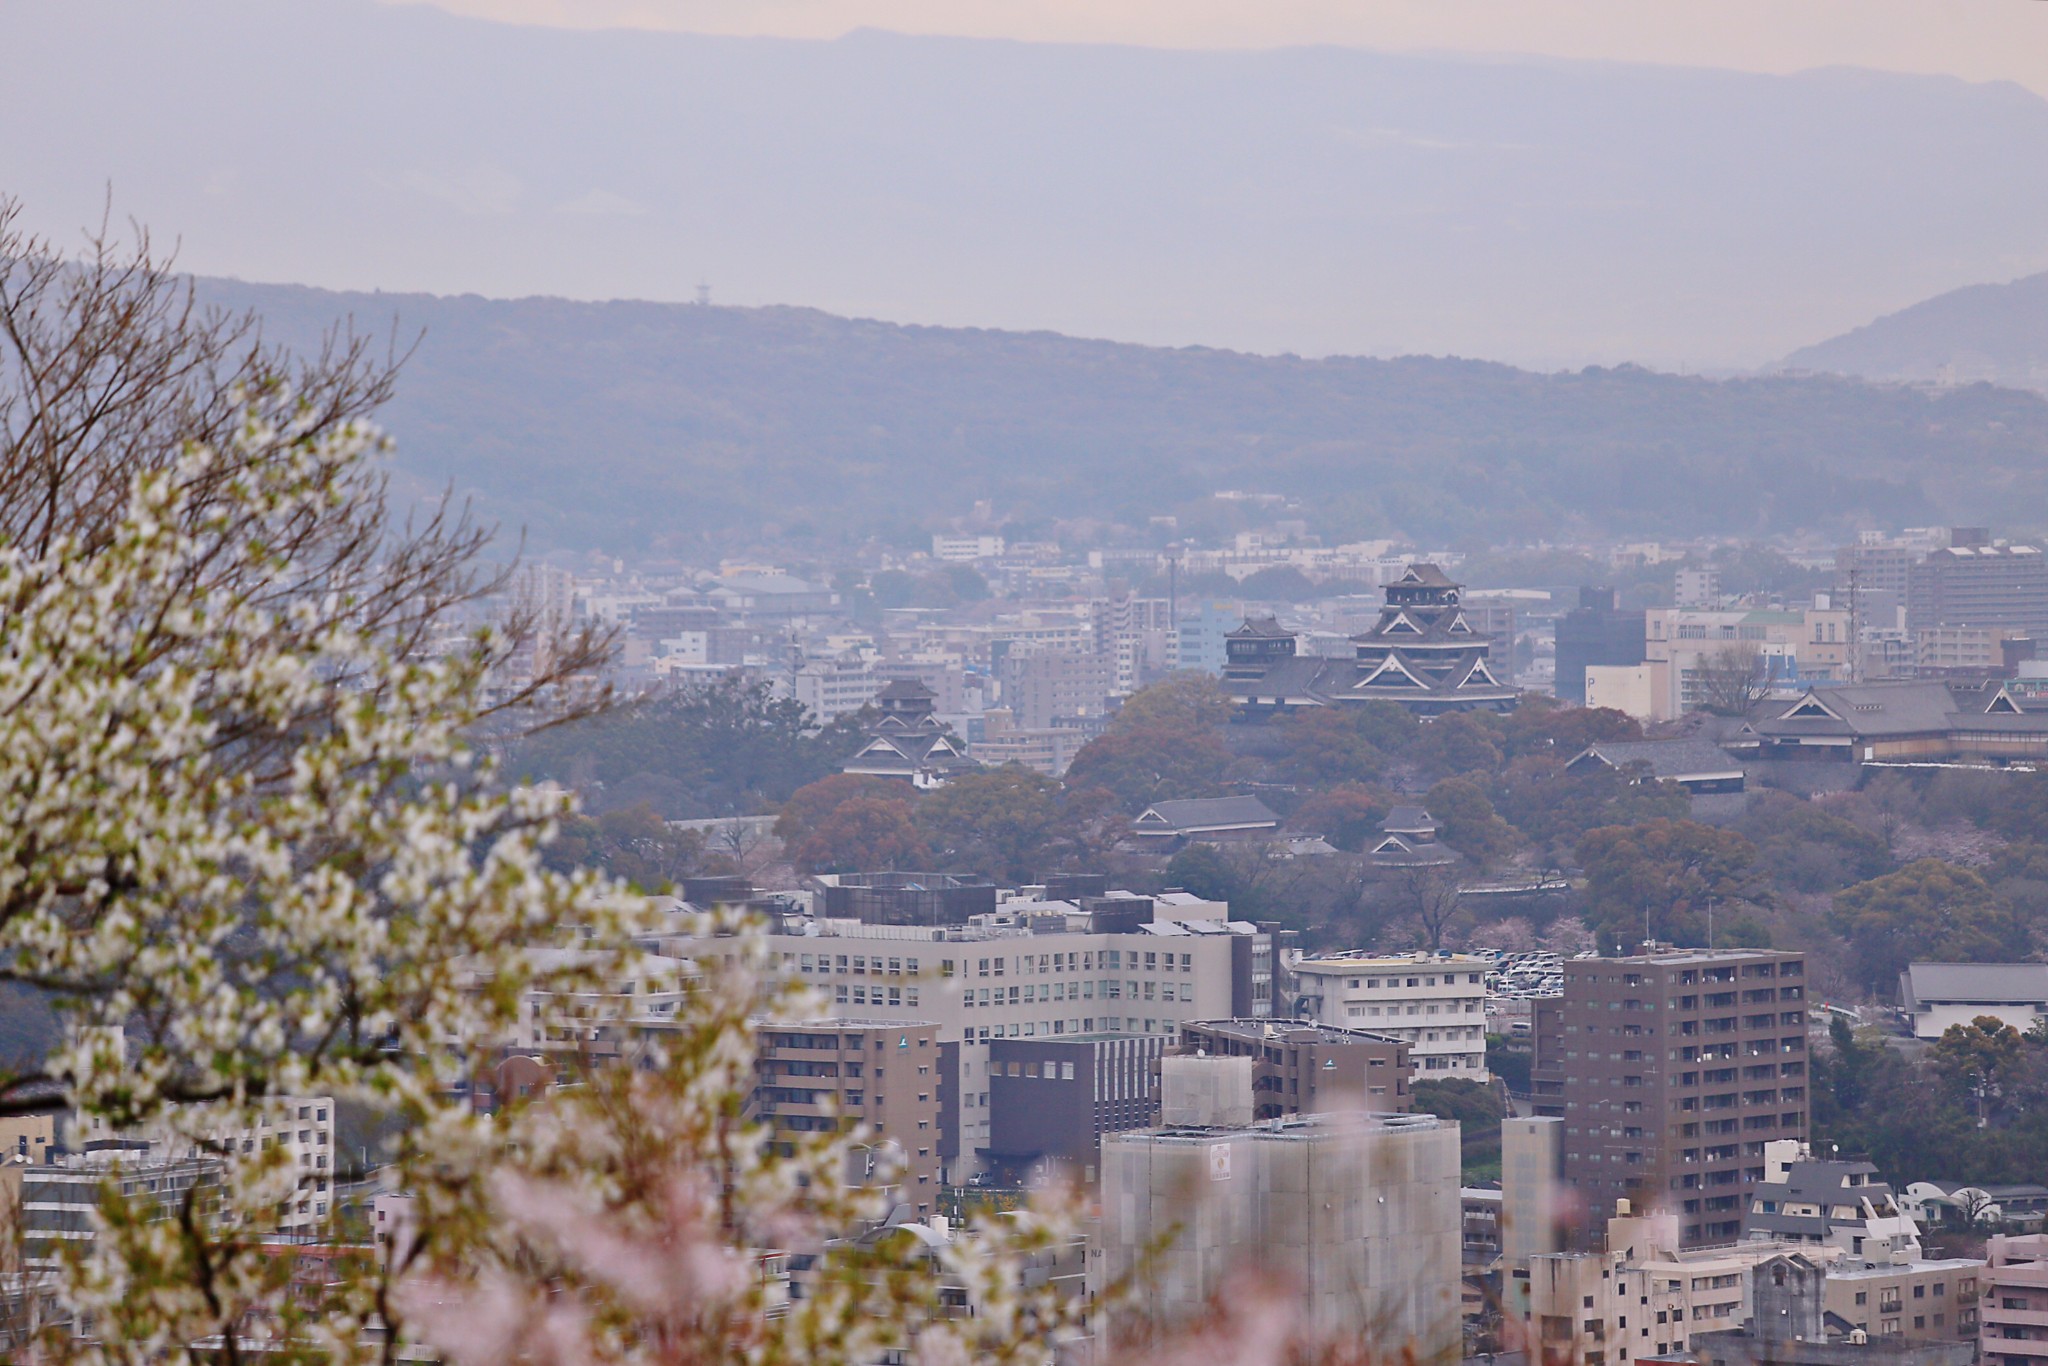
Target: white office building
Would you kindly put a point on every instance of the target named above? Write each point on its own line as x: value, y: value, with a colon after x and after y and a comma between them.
x: 1436, y: 1001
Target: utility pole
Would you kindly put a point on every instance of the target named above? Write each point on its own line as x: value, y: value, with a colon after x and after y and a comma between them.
x: 1855, y: 634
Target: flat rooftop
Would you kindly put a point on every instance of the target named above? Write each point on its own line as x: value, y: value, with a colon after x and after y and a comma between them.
x: 1288, y: 1031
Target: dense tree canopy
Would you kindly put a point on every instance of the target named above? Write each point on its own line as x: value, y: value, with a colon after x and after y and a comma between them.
x: 1927, y: 911
x: 727, y: 747
x: 1667, y: 872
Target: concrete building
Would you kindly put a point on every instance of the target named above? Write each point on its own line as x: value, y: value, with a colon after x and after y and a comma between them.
x: 1358, y: 1215
x: 1917, y: 1299
x: 1436, y: 1002
x: 1642, y: 1296
x: 303, y: 1126
x: 1050, y: 1101
x: 1696, y: 588
x: 1786, y: 647
x: 1532, y: 1216
x: 1791, y: 1323
x: 1003, y: 741
x: 1937, y: 995
x: 1046, y: 687
x: 59, y: 1197
x: 832, y: 688
x: 1116, y: 965
x: 1595, y: 633
x: 2014, y: 1331
x: 1643, y: 691
x: 1671, y: 1070
x: 965, y: 549
x: 1300, y: 1068
x: 1979, y: 585
x: 830, y: 1074
x: 1834, y: 1202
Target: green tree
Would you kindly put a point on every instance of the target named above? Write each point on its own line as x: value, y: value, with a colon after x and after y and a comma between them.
x: 1322, y: 747
x: 1459, y: 745
x: 1466, y: 821
x: 1187, y: 702
x: 1554, y: 807
x: 810, y: 805
x: 1671, y: 871
x: 1007, y: 820
x: 864, y: 835
x: 1347, y: 815
x: 1976, y: 1058
x: 1146, y: 764
x: 1809, y: 849
x: 1203, y: 870
x: 1542, y: 726
x: 630, y: 843
x: 724, y: 747
x: 1928, y: 911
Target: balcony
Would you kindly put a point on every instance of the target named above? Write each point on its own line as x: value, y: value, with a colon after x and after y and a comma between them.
x: 1990, y: 1345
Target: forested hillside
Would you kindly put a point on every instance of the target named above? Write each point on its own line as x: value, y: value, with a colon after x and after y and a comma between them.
x: 633, y: 426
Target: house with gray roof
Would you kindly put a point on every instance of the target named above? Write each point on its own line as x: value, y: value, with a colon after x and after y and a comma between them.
x: 1902, y: 722
x: 1829, y: 1202
x: 1172, y: 824
x: 1695, y: 764
x: 1937, y: 995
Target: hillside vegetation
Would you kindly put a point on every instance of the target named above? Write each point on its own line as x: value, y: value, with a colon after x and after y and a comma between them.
x: 633, y: 426
x: 1995, y: 333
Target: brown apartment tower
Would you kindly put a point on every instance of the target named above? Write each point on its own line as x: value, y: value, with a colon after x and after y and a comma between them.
x: 1671, y: 1070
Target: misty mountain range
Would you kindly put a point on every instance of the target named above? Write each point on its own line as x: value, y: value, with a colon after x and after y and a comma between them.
x: 638, y: 426
x: 1982, y: 333
x: 1310, y: 200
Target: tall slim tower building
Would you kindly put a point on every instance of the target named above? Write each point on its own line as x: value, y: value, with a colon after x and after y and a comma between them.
x: 1671, y: 1070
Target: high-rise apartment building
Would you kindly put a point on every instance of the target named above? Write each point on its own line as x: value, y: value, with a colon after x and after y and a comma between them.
x: 1672, y: 1071
x: 1980, y: 585
x: 1046, y: 687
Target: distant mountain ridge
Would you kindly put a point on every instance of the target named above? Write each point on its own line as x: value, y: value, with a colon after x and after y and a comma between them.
x: 1319, y: 200
x: 632, y: 426
x: 1995, y: 333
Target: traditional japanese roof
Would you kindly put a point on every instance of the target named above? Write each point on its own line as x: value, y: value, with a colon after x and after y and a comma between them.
x: 1973, y: 984
x: 904, y: 689
x: 1203, y: 815
x: 1409, y: 820
x: 1260, y: 628
x: 1688, y: 760
x: 1428, y: 575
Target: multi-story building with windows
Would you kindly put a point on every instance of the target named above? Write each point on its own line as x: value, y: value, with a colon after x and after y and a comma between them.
x: 1780, y: 647
x: 1672, y: 1071
x: 1435, y: 1002
x: 835, y: 1072
x: 2014, y: 1310
x: 1112, y: 966
x: 1979, y: 584
x: 1300, y: 1068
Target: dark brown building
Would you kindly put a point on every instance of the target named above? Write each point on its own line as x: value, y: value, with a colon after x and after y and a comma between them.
x: 1050, y: 1100
x: 1309, y: 1068
x: 1671, y: 1070
x: 827, y: 1074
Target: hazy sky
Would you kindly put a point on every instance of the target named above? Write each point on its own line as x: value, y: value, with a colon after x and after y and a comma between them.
x: 1973, y: 39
